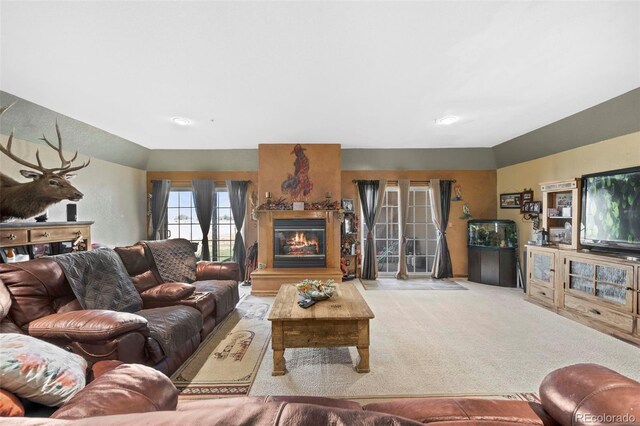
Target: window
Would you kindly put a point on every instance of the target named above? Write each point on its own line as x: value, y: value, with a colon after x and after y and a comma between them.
x: 183, y: 223
x: 421, y: 233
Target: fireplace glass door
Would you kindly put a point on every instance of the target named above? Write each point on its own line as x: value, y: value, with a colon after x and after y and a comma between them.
x: 299, y: 243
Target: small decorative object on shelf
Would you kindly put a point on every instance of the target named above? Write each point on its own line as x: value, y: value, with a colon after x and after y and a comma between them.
x: 282, y: 204
x: 316, y: 289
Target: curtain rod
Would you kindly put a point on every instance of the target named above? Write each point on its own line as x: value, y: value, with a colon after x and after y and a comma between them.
x: 411, y: 181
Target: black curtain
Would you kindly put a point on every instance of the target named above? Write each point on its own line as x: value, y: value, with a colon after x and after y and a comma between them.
x: 204, y: 200
x: 159, y: 200
x: 238, y: 200
x: 441, y: 199
x: 371, y: 193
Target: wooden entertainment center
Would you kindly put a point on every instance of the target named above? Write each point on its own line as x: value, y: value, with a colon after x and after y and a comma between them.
x: 598, y: 289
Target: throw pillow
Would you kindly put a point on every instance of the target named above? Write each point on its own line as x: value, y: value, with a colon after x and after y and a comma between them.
x: 39, y: 371
x: 10, y: 405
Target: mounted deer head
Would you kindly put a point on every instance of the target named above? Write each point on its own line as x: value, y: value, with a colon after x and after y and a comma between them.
x: 49, y: 185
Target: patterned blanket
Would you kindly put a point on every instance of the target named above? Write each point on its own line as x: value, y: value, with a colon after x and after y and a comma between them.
x: 174, y: 259
x: 99, y: 280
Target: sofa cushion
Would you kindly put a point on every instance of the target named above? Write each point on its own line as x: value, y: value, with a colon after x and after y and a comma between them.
x: 174, y: 259
x: 128, y: 388
x: 167, y: 292
x: 10, y: 405
x: 172, y: 326
x: 39, y: 371
x: 99, y: 280
x: 138, y: 266
x: 35, y: 287
x: 225, y: 293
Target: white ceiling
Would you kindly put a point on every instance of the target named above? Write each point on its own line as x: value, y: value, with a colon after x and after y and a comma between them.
x: 366, y: 75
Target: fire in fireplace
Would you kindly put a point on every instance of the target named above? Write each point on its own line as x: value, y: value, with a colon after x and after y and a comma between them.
x: 299, y: 243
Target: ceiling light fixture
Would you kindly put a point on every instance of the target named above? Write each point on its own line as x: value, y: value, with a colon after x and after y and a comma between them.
x: 181, y: 121
x: 446, y: 120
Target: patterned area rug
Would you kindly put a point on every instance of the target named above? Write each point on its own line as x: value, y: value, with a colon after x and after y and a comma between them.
x: 226, y: 363
x: 410, y: 284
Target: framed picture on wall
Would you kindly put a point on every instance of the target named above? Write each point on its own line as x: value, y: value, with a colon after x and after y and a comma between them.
x: 347, y: 204
x: 510, y: 200
x: 525, y: 197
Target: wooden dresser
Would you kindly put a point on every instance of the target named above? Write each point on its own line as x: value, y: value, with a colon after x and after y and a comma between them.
x: 596, y: 289
x: 30, y: 234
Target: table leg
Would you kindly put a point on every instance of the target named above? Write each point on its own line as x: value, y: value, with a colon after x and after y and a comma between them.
x: 277, y: 344
x: 279, y: 367
x: 363, y: 362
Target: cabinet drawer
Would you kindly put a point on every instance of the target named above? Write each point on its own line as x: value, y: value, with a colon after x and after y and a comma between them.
x: 541, y: 293
x: 599, y: 313
x: 13, y: 237
x: 66, y: 234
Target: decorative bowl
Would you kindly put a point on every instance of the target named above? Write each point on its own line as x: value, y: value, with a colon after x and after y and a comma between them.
x: 316, y: 289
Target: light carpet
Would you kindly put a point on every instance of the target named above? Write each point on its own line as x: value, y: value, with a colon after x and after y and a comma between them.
x: 410, y: 284
x: 487, y: 340
x: 227, y: 362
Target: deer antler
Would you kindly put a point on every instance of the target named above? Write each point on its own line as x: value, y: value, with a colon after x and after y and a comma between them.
x: 7, y: 151
x: 65, y: 164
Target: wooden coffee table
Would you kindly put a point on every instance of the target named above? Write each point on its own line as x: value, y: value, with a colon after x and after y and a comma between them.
x: 342, y: 320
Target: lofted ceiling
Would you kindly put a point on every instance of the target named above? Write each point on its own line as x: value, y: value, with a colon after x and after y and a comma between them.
x: 362, y: 74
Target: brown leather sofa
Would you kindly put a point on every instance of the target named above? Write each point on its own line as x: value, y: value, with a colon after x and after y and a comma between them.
x: 582, y: 394
x: 44, y: 306
x: 215, y: 289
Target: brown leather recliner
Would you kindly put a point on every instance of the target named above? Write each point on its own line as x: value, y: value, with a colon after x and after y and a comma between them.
x: 582, y: 394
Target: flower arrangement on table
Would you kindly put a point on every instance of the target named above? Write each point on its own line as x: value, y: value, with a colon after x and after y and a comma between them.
x: 316, y: 289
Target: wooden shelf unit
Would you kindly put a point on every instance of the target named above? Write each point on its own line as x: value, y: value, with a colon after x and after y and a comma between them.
x: 597, y: 289
x: 557, y: 195
x: 28, y: 234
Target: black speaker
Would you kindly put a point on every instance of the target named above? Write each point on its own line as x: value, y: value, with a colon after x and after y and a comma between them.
x: 72, y: 212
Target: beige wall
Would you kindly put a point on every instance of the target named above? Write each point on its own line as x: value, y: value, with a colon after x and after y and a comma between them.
x: 616, y: 153
x: 478, y: 190
x: 114, y: 195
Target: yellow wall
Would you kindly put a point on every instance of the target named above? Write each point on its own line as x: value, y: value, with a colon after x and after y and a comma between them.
x: 616, y: 153
x: 478, y: 189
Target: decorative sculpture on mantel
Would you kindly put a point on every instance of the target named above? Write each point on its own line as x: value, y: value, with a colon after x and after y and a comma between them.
x: 22, y: 200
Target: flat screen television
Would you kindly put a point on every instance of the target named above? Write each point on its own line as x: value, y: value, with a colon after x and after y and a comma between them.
x: 611, y: 210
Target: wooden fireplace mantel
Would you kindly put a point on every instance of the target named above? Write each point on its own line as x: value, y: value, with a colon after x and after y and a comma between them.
x: 267, y: 279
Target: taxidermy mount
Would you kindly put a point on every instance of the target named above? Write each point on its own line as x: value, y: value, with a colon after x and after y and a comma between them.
x: 22, y: 200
